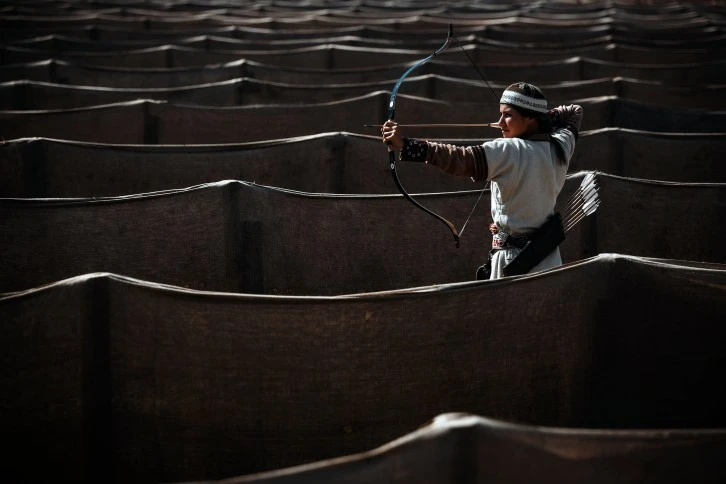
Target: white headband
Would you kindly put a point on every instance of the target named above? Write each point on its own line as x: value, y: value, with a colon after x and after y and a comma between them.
x: 527, y: 102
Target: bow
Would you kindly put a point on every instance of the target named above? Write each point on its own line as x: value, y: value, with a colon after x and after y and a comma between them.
x: 392, y: 155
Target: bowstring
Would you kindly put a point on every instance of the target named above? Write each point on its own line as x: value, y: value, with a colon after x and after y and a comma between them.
x: 456, y: 39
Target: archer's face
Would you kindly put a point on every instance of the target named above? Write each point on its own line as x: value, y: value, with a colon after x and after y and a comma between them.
x: 513, y: 124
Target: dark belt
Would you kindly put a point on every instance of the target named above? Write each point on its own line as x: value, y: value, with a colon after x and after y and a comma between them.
x: 542, y: 242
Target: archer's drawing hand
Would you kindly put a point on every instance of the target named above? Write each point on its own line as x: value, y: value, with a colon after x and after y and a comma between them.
x: 391, y: 135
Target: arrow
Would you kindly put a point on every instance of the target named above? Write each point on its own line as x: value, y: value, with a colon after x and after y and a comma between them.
x: 486, y: 125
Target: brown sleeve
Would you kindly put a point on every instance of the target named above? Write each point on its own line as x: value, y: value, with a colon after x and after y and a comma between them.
x: 458, y: 160
x: 570, y: 117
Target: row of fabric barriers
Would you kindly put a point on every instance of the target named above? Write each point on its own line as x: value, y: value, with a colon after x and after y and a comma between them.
x: 206, y: 271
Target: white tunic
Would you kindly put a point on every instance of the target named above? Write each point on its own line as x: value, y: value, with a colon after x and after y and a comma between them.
x: 526, y: 179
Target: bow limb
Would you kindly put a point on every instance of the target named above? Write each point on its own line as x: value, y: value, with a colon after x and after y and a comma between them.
x: 392, y: 160
x: 391, y: 152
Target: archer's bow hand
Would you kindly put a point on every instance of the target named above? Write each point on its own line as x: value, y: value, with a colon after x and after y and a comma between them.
x: 392, y: 135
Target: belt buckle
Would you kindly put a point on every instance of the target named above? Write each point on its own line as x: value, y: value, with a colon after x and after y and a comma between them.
x: 500, y: 239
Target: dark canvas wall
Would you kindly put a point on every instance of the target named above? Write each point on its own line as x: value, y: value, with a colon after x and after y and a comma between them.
x: 235, y: 236
x: 160, y: 122
x: 206, y: 274
x: 167, y: 384
x: 342, y: 163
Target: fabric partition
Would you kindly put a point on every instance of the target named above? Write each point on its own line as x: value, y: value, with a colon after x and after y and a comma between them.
x: 195, y: 124
x: 217, y: 237
x: 224, y: 42
x: 46, y: 21
x: 235, y: 236
x: 62, y: 72
x: 707, y: 37
x: 109, y: 34
x: 124, y: 22
x: 75, y: 43
x: 342, y: 163
x: 642, y: 217
x: 628, y: 90
x: 35, y: 95
x: 36, y: 71
x: 149, y: 57
x: 456, y: 65
x: 54, y: 406
x: 639, y: 219
x: 178, y: 237
x: 415, y: 23
x: 712, y: 97
x: 487, y: 50
x: 312, y: 57
x: 250, y: 123
x: 348, y: 51
x: 458, y: 447
x: 169, y: 124
x: 621, y: 18
x: 110, y: 123
x: 591, y: 42
x: 309, y: 71
x: 209, y: 276
x: 629, y: 53
x: 158, y: 122
x: 459, y: 67
x: 486, y: 36
x: 169, y: 56
x: 679, y: 32
x: 712, y: 72
x: 232, y: 32
x: 406, y: 15
x: 673, y: 157
x: 75, y: 73
x: 188, y: 385
x: 627, y: 114
x: 325, y: 55
x: 271, y: 121
x: 349, y: 64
